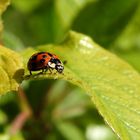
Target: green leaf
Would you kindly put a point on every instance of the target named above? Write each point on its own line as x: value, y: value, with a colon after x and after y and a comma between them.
x: 11, y: 41
x: 50, y: 18
x: 11, y: 70
x: 73, y: 105
x: 3, y: 117
x: 7, y: 136
x: 70, y: 131
x: 133, y: 57
x: 127, y: 45
x: 112, y: 84
x: 130, y: 36
x: 3, y: 6
x: 25, y: 5
x: 63, y: 19
x: 104, y: 20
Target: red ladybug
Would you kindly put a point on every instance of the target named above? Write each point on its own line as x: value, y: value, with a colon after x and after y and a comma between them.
x: 44, y: 61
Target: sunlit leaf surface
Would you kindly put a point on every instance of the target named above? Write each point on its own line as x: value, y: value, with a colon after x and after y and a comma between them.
x: 11, y: 70
x: 114, y: 86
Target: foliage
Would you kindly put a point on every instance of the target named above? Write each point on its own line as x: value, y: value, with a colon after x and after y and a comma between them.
x: 58, y: 109
x: 11, y: 70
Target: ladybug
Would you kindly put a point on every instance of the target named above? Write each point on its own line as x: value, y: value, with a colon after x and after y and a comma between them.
x: 44, y: 61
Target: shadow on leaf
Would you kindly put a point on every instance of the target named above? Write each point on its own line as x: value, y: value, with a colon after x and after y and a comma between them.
x: 18, y: 76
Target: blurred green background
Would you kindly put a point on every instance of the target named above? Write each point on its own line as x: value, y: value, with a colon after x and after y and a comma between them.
x: 58, y: 109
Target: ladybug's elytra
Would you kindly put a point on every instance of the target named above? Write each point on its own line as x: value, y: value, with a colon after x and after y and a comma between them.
x: 44, y: 61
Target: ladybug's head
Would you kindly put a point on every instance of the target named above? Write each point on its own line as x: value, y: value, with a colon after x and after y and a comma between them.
x: 59, y: 67
x: 56, y: 64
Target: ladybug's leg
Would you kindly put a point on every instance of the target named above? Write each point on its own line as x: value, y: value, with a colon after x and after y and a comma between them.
x: 43, y: 70
x: 30, y: 73
x: 50, y: 70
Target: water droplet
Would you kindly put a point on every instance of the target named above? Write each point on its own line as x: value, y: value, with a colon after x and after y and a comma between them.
x: 128, y: 89
x: 128, y: 73
x: 86, y: 46
x: 105, y: 58
x: 131, y: 91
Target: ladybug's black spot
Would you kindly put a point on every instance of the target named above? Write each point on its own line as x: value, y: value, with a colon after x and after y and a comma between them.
x: 33, y: 64
x: 44, y: 56
x: 56, y: 61
x: 41, y: 52
x: 50, y: 54
x: 42, y: 60
x: 34, y: 57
